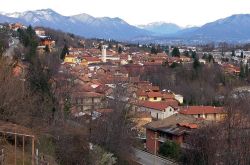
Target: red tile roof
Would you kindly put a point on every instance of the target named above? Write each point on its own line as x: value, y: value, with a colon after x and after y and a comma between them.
x: 168, y: 96
x: 194, y: 110
x: 91, y: 59
x: 141, y: 93
x: 154, y: 94
x: 87, y: 94
x: 188, y: 125
x: 154, y: 105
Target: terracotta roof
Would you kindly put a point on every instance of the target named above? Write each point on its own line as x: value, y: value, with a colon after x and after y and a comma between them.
x: 154, y: 94
x: 86, y: 94
x: 194, y: 110
x: 167, y: 96
x: 188, y: 125
x: 141, y: 93
x: 92, y: 59
x: 172, y: 102
x: 154, y: 105
x: 176, y: 124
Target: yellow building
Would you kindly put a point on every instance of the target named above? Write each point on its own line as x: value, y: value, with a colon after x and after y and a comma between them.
x: 154, y: 96
x: 207, y: 112
x: 70, y: 59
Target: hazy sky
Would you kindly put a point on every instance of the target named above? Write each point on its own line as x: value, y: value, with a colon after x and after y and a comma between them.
x: 181, y: 12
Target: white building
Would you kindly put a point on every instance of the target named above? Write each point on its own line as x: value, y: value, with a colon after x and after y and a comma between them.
x: 157, y: 110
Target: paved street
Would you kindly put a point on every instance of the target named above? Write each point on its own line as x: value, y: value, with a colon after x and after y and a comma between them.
x: 149, y: 159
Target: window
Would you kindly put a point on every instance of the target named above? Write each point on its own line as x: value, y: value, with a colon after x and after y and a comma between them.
x: 199, y: 115
x: 157, y: 115
x: 155, y: 98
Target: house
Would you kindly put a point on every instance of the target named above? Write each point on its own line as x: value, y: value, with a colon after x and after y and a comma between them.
x: 185, y: 59
x: 154, y: 96
x: 70, y: 59
x: 202, y: 61
x: 149, y: 95
x: 47, y: 41
x: 206, y: 112
x: 157, y: 110
x: 179, y: 98
x: 16, y: 26
x: 86, y: 101
x: 40, y: 32
x: 175, y: 128
x: 91, y: 60
x: 231, y: 69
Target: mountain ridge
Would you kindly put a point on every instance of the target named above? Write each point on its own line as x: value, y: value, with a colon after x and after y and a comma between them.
x: 81, y: 24
x: 233, y: 28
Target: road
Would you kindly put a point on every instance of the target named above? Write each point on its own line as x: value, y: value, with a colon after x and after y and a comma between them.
x: 12, y: 45
x: 145, y: 158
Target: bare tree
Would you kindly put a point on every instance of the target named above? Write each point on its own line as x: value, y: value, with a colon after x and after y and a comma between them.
x: 114, y: 131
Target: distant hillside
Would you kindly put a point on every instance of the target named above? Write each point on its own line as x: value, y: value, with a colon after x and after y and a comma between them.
x: 232, y: 29
x: 161, y: 28
x: 82, y: 24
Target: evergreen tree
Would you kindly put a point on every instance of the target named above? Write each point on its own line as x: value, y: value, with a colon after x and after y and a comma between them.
x: 176, y: 52
x: 196, y: 64
x: 170, y: 149
x: 186, y: 53
x: 119, y: 50
x: 210, y: 57
x: 242, y: 71
x: 153, y: 50
x: 65, y: 51
x: 29, y: 39
x: 46, y: 49
x: 233, y: 53
x: 193, y: 54
x: 241, y: 54
x: 246, y: 70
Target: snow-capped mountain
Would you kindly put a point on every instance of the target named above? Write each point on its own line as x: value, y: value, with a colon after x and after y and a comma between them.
x: 82, y: 24
x: 233, y: 28
x: 161, y: 28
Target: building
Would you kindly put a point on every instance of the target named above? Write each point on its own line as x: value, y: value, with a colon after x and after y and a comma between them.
x: 16, y: 26
x: 47, y: 41
x: 40, y: 32
x: 174, y: 128
x: 70, y: 59
x: 179, y: 98
x: 87, y: 101
x: 90, y: 60
x: 157, y: 110
x: 206, y: 112
x: 149, y: 95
